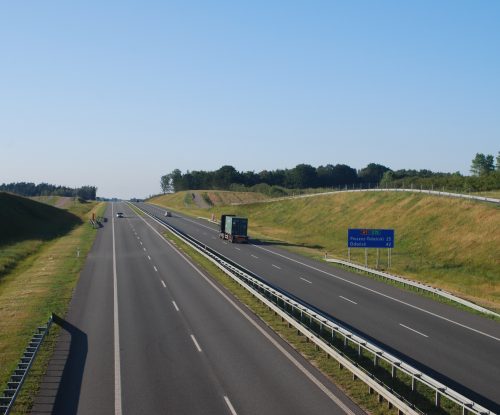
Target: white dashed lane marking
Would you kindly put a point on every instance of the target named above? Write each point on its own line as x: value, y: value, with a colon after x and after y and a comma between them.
x: 415, y: 331
x: 343, y: 298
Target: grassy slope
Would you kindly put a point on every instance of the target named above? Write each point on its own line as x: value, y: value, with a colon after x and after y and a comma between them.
x: 43, y: 268
x: 25, y: 225
x: 450, y: 243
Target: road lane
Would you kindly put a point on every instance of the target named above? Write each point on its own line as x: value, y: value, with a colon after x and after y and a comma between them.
x: 250, y: 370
x: 182, y: 344
x: 453, y: 352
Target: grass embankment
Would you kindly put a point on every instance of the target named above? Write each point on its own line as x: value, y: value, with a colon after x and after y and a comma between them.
x: 40, y: 269
x: 450, y: 243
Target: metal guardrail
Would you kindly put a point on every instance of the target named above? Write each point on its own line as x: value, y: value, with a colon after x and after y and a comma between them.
x: 314, y: 323
x: 17, y: 379
x: 431, y: 192
x: 380, y: 189
x: 415, y: 284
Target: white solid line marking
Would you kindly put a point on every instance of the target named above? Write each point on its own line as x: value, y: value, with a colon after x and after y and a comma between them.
x: 116, y: 331
x: 231, y: 408
x: 144, y: 249
x: 343, y: 298
x: 163, y: 283
x: 149, y: 257
x: 237, y: 248
x: 409, y: 328
x: 140, y: 242
x: 253, y: 256
x: 175, y: 305
x: 196, y: 343
x: 156, y: 269
x: 278, y: 346
x: 383, y: 295
x: 275, y: 266
x: 303, y: 279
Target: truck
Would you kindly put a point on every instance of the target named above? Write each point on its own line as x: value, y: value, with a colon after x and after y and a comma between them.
x: 233, y: 228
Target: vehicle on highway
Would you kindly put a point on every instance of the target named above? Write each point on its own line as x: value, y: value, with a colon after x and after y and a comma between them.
x: 119, y: 214
x: 233, y: 228
x: 168, y: 214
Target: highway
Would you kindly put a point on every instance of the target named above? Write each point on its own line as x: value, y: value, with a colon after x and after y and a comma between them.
x: 457, y: 348
x: 149, y: 333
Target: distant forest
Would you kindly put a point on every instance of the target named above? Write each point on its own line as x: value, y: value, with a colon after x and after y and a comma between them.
x: 485, y: 175
x: 45, y: 189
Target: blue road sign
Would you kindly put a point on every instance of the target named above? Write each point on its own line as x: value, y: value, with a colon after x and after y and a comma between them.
x: 370, y: 238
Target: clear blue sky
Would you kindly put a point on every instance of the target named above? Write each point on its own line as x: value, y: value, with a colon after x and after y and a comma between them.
x: 116, y: 94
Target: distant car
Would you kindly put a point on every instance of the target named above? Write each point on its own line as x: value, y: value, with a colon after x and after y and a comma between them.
x: 168, y: 214
x: 119, y: 214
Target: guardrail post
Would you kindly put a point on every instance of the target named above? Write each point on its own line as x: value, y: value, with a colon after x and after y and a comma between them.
x: 438, y: 398
x: 375, y: 359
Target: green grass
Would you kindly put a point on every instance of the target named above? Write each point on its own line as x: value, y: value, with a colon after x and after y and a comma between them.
x: 25, y: 225
x: 41, y: 282
x: 354, y: 388
x: 449, y: 243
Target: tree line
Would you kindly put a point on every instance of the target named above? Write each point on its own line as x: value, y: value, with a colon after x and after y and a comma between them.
x: 28, y: 189
x: 485, y: 176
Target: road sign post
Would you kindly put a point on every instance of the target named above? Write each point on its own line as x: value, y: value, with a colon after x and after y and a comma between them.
x: 371, y: 238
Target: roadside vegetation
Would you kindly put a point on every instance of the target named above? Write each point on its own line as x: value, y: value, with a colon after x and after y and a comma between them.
x: 39, y: 270
x: 449, y: 243
x: 485, y: 176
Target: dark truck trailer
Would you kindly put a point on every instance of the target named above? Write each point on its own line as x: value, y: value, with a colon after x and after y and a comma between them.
x: 233, y: 228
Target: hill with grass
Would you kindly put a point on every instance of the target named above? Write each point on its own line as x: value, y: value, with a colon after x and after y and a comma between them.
x: 25, y: 224
x: 450, y: 243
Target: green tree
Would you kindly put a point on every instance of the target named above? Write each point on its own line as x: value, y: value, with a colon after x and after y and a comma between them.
x: 303, y: 176
x: 482, y: 164
x: 225, y: 176
x: 372, y: 173
x: 166, y: 183
x: 176, y: 180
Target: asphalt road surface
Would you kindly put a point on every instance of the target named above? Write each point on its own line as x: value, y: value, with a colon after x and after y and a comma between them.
x: 458, y: 348
x: 149, y: 333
